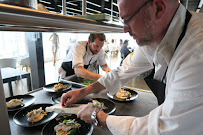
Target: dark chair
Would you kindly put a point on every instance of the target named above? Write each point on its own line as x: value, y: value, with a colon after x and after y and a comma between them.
x: 122, y: 58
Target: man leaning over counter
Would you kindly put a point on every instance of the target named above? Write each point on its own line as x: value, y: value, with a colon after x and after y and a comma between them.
x: 170, y: 42
x: 83, y: 54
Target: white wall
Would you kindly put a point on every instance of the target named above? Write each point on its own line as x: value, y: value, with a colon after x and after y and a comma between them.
x: 12, y: 44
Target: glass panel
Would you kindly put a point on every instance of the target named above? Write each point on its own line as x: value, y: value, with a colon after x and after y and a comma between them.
x: 67, y: 40
x: 14, y: 45
x: 14, y: 63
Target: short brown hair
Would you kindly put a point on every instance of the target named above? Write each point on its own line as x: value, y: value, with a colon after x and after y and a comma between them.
x: 93, y: 36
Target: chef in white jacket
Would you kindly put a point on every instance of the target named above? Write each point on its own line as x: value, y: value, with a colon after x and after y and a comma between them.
x: 171, y: 44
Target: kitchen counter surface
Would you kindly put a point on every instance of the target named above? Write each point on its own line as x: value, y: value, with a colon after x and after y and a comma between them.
x: 138, y: 108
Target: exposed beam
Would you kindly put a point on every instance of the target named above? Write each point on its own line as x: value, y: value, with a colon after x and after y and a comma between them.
x: 74, y: 7
x: 186, y: 5
x: 93, y: 4
x: 84, y: 6
x: 93, y: 10
x: 115, y: 4
x: 64, y: 7
x: 45, y: 2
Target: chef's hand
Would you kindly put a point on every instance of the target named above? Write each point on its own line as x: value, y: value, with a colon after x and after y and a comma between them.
x: 86, y: 112
x: 71, y: 97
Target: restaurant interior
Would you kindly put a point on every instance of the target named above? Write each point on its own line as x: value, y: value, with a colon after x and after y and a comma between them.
x: 27, y: 63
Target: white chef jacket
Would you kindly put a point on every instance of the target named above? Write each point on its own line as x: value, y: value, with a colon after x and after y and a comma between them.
x: 81, y: 56
x: 182, y: 111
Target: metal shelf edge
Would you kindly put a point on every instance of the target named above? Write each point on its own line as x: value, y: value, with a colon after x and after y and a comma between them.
x: 14, y: 18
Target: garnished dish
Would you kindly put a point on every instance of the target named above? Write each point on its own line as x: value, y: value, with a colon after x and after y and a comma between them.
x: 67, y: 124
x: 59, y: 86
x: 18, y: 102
x: 86, y: 81
x: 107, y: 105
x: 123, y: 94
x: 36, y: 115
x: 15, y: 103
x: 99, y: 104
x: 67, y: 127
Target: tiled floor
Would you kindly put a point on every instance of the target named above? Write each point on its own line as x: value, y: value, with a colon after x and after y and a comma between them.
x: 51, y: 75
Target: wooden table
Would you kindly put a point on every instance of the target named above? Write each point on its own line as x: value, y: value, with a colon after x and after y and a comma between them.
x: 12, y: 74
x: 138, y: 108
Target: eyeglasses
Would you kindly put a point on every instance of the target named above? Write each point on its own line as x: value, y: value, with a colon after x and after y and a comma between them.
x: 125, y: 23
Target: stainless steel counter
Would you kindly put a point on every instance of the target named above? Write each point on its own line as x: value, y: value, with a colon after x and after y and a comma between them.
x: 140, y: 107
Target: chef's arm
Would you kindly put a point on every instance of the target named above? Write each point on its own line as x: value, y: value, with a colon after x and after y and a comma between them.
x: 106, y: 68
x: 75, y: 95
x: 84, y: 73
x: 101, y: 117
x: 97, y: 87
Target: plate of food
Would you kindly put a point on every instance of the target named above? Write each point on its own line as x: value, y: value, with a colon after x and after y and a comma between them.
x: 67, y: 125
x: 56, y: 98
x: 34, y: 115
x: 124, y: 95
x: 108, y: 106
x: 80, y: 80
x: 86, y: 81
x: 18, y: 102
x: 57, y: 87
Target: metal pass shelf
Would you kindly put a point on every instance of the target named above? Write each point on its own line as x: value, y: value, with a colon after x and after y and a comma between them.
x: 15, y: 18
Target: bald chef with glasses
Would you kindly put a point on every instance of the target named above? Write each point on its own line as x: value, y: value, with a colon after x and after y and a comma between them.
x: 170, y: 40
